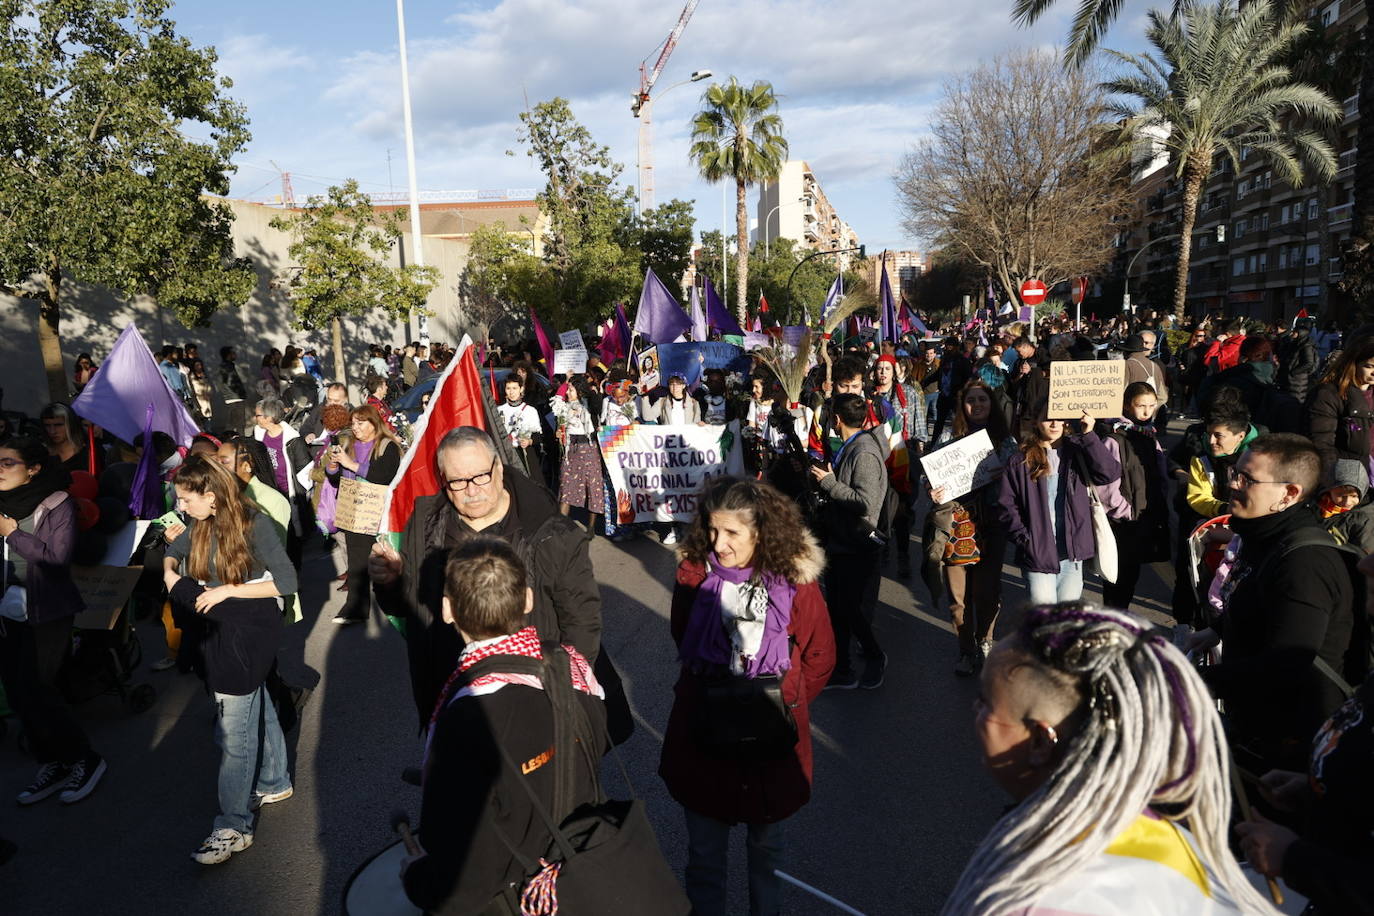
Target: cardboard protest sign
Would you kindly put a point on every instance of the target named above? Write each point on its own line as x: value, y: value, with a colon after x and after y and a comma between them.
x: 717, y: 354
x: 1094, y: 385
x: 753, y: 340
x: 569, y: 362
x: 657, y: 471
x: 962, y: 466
x: 105, y: 590
x: 359, y: 507
x: 684, y: 359
x: 571, y: 340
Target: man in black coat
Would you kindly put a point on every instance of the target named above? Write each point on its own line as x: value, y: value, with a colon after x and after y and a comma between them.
x: 1288, y: 602
x: 483, y: 496
x: 1297, y: 361
x: 955, y: 370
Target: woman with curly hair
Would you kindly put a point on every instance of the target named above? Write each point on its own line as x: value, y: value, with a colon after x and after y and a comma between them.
x: 756, y: 647
x: 1112, y: 747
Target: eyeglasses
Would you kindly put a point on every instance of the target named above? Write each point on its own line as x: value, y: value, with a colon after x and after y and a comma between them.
x: 460, y: 484
x: 8, y: 463
x: 1239, y: 477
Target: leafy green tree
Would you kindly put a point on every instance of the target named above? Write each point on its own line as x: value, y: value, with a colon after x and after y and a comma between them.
x: 340, y: 245
x: 738, y: 136
x: 663, y: 238
x: 584, y: 244
x: 502, y: 278
x: 769, y: 275
x: 1216, y: 83
x: 103, y: 179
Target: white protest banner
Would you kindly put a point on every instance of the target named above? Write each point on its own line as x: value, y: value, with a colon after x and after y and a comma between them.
x: 359, y: 506
x: 1094, y: 385
x: 569, y: 362
x: 962, y: 466
x: 753, y: 340
x: 657, y: 471
x: 571, y: 340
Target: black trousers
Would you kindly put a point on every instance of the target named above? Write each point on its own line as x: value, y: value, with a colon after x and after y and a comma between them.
x: 31, y: 655
x: 359, y: 603
x: 851, y: 594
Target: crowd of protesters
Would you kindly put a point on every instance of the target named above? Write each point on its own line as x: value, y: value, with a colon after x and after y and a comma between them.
x: 1101, y: 725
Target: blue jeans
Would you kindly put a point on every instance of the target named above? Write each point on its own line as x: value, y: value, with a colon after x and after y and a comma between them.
x: 708, y: 844
x: 252, y: 756
x: 1050, y: 588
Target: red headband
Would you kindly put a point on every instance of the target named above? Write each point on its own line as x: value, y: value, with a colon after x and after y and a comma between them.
x: 888, y: 358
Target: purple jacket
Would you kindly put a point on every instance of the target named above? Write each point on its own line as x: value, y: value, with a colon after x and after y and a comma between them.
x: 52, y: 594
x: 1023, y: 505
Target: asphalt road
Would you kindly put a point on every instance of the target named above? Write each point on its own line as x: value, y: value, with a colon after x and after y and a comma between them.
x: 900, y: 799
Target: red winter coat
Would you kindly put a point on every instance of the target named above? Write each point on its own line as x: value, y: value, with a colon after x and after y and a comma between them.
x: 752, y: 792
x: 1224, y: 354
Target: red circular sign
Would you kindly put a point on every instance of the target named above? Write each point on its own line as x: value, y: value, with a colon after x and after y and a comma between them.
x: 1033, y: 292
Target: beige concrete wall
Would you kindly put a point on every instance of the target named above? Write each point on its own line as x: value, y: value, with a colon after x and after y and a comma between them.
x: 92, y: 318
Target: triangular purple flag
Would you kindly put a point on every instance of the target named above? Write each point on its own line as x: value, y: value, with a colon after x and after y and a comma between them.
x: 612, y: 346
x: 887, y: 309
x: 699, y: 332
x: 659, y: 318
x: 117, y: 398
x: 145, y: 496
x: 718, y: 317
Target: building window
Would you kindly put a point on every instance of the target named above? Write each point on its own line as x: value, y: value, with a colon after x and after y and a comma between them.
x: 1264, y: 220
x: 1283, y: 258
x: 1243, y: 188
x: 1264, y: 260
x: 1313, y: 254
x: 1312, y: 208
x: 1237, y: 267
x: 1268, y: 178
x: 1241, y: 226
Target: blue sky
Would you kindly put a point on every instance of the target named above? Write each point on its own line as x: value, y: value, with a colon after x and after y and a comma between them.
x: 857, y: 82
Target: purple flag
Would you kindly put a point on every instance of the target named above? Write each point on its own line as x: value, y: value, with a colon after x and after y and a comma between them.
x: 612, y: 347
x: 659, y: 318
x: 887, y: 309
x: 544, y: 346
x: 145, y: 496
x: 718, y: 317
x: 699, y: 332
x: 117, y: 398
x: 832, y: 298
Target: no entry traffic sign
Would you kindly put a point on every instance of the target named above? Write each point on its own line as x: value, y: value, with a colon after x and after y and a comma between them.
x: 1033, y: 292
x: 1080, y: 290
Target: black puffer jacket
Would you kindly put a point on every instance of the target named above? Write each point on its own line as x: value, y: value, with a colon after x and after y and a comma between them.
x: 1297, y: 362
x: 1340, y: 426
x: 567, y: 602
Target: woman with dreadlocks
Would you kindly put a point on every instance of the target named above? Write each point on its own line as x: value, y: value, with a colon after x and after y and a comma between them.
x: 1114, y: 751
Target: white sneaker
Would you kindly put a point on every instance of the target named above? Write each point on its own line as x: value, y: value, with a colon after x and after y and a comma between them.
x: 271, y: 798
x: 220, y: 845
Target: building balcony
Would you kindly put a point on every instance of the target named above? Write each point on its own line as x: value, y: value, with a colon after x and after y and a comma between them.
x: 1345, y: 163
x: 1336, y: 216
x: 1348, y: 10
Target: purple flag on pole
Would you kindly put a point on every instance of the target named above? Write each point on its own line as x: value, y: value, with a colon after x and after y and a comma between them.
x: 887, y: 309
x: 832, y: 298
x: 659, y: 318
x: 145, y: 496
x: 117, y: 398
x: 622, y: 325
x: 544, y: 346
x: 699, y: 332
x: 612, y: 347
x: 718, y: 317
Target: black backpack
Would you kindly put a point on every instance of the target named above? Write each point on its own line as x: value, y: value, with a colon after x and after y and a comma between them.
x: 1359, y: 653
x: 603, y: 856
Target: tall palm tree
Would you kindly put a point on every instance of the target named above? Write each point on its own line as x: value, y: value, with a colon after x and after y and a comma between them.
x: 1215, y: 82
x: 738, y: 134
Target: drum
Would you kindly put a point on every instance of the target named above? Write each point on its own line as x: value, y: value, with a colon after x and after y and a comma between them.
x: 375, y: 887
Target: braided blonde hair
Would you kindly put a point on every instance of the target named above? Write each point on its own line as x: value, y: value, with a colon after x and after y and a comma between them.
x: 1149, y: 736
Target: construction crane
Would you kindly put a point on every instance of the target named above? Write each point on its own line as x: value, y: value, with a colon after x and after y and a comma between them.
x: 642, y: 105
x: 288, y: 196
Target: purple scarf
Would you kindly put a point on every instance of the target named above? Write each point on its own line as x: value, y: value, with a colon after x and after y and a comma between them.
x: 707, y: 642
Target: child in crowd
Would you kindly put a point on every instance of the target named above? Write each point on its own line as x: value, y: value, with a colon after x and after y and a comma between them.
x: 1348, y: 517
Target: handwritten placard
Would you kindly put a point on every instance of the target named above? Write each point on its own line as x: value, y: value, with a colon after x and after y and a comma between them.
x: 962, y: 466
x: 569, y: 362
x: 571, y: 340
x: 105, y: 590
x: 1092, y: 385
x: 359, y: 507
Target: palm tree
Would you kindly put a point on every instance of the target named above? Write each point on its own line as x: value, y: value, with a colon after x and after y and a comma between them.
x: 738, y: 134
x: 1215, y: 83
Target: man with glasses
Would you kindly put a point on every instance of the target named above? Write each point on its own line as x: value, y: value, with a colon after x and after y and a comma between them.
x: 1286, y: 608
x: 480, y: 497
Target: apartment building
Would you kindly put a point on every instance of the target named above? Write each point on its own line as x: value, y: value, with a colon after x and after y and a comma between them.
x: 794, y: 207
x: 1261, y: 248
x: 904, y: 268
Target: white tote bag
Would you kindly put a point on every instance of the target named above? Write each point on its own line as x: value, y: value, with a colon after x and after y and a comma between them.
x: 1104, y: 540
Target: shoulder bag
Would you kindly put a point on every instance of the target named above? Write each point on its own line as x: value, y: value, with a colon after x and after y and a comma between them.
x: 1104, y: 539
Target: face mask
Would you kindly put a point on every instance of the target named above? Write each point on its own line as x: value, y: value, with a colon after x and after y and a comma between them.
x: 1264, y: 371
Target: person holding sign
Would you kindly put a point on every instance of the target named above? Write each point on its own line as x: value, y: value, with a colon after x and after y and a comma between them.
x: 1044, y: 505
x: 374, y: 457
x: 963, y: 537
x: 230, y: 567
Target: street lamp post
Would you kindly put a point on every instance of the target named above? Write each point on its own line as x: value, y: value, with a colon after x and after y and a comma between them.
x: 644, y: 200
x: 417, y: 255
x: 769, y: 219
